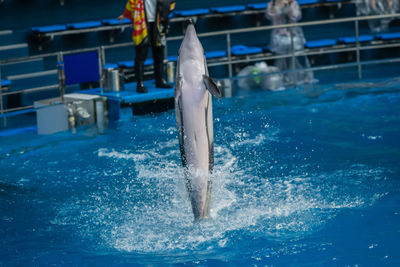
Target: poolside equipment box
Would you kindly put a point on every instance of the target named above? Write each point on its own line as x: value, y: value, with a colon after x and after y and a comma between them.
x: 54, y: 116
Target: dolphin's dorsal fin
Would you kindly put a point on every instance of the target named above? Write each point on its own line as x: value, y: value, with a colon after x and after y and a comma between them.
x: 211, y: 86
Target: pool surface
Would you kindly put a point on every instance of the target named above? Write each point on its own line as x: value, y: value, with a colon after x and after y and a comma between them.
x: 307, y: 176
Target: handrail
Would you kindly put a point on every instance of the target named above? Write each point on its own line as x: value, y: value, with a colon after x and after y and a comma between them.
x: 41, y: 56
x: 32, y: 90
x: 97, y: 29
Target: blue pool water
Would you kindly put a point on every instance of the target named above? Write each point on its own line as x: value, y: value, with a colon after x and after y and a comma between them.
x: 307, y: 176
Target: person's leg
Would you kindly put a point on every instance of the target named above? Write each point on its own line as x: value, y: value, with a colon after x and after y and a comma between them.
x: 140, y: 57
x: 158, y: 54
x: 158, y: 57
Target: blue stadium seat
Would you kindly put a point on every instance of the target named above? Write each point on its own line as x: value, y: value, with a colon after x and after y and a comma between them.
x: 227, y: 9
x: 149, y: 62
x: 352, y: 39
x: 5, y: 83
x: 320, y: 43
x: 266, y: 48
x: 257, y: 6
x: 131, y: 63
x: 172, y: 58
x: 388, y: 36
x: 334, y: 1
x: 51, y: 28
x: 112, y: 22
x: 242, y: 50
x: 84, y: 25
x: 109, y: 66
x: 307, y: 2
x: 192, y: 12
x: 216, y: 54
x: 126, y: 64
x: 208, y: 55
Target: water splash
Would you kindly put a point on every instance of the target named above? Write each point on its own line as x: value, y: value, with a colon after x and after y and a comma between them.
x: 149, y: 211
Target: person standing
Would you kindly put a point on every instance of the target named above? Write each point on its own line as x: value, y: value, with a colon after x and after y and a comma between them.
x: 284, y: 39
x: 150, y: 19
x: 377, y: 7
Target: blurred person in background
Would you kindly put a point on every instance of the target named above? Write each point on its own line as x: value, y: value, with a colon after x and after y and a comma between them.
x: 377, y: 7
x: 150, y: 26
x: 282, y: 40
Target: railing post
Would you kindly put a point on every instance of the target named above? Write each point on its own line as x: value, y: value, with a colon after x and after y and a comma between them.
x: 166, y: 50
x: 228, y: 46
x: 358, y: 49
x: 102, y: 60
x: 293, y: 61
x: 61, y: 75
x: 1, y: 101
x: 165, y: 61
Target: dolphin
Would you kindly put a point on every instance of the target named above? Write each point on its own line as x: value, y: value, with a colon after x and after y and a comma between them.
x: 193, y: 108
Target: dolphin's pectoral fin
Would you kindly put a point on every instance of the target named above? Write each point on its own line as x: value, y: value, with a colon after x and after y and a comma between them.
x: 211, y: 86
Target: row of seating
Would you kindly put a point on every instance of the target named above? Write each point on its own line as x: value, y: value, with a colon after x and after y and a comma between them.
x: 5, y: 83
x: 78, y: 26
x: 352, y: 40
x: 238, y: 50
x: 176, y: 14
x: 243, y: 50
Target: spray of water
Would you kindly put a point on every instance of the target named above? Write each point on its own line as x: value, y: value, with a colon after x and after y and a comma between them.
x: 146, y: 209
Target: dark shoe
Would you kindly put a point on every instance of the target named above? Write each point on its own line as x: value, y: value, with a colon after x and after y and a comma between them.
x: 163, y: 84
x: 140, y: 88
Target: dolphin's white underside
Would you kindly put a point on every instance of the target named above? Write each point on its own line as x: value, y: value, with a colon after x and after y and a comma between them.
x: 193, y: 106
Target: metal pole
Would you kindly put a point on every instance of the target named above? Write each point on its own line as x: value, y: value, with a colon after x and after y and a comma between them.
x: 1, y: 101
x: 101, y: 57
x: 165, y: 49
x: 61, y: 75
x: 165, y: 58
x: 358, y: 50
x: 228, y: 46
x: 293, y: 63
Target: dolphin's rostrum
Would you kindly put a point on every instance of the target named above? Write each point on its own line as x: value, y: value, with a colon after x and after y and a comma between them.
x: 193, y: 107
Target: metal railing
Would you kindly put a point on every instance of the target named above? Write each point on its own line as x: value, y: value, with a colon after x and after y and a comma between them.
x: 293, y: 53
x: 230, y: 60
x: 60, y: 72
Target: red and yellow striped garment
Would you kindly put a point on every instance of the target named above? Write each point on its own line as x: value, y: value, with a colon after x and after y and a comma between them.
x: 134, y: 11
